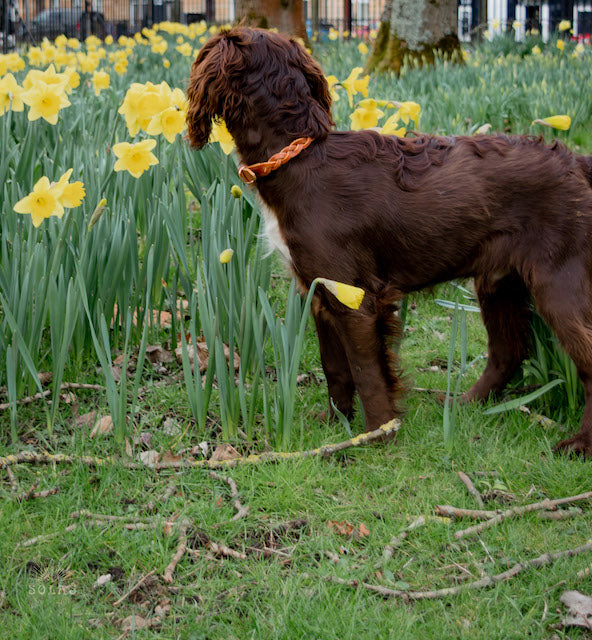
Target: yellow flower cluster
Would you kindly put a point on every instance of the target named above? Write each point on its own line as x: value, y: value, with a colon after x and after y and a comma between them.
x: 154, y: 109
x: 50, y: 199
x: 367, y: 115
x: 353, y: 85
x: 44, y: 92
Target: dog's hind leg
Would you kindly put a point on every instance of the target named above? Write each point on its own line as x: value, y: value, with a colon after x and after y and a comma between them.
x: 505, y: 309
x: 340, y: 382
x: 564, y: 299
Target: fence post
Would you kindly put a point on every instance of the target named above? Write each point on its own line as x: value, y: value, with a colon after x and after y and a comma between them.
x: 347, y: 15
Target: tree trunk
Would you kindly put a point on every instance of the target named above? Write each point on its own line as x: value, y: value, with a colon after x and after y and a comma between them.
x: 414, y: 32
x: 286, y: 16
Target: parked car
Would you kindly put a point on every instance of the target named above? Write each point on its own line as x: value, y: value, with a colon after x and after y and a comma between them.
x: 73, y: 23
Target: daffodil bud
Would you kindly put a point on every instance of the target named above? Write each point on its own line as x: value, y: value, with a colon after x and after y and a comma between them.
x: 226, y: 256
x: 556, y: 122
x: 97, y: 213
x: 236, y: 191
x: 347, y: 294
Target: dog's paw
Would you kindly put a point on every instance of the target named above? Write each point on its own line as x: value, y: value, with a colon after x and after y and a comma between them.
x: 579, y: 445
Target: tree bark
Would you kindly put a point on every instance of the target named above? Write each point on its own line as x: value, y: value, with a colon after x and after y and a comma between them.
x: 286, y: 16
x: 415, y: 32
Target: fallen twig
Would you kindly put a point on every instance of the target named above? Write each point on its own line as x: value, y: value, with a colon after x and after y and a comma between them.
x: 66, y: 386
x: 464, y: 478
x: 483, y: 583
x: 179, y: 553
x: 447, y: 511
x: 12, y: 479
x: 562, y: 514
x: 386, y: 430
x: 397, y: 541
x: 46, y: 536
x: 547, y: 505
x: 223, y: 550
x: 241, y: 511
x: 134, y: 588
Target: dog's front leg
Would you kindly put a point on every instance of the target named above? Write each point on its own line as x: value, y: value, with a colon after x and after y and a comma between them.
x: 340, y: 382
x: 365, y: 336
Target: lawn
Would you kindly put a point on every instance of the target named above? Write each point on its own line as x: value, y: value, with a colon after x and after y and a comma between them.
x: 103, y: 309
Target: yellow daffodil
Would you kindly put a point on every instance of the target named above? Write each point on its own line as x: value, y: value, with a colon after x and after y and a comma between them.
x: 564, y: 25
x: 14, y: 62
x: 366, y: 115
x: 10, y: 94
x: 536, y: 50
x: 560, y: 45
x: 100, y: 80
x: 408, y: 111
x: 166, y: 63
x: 363, y: 48
x: 221, y: 135
x: 41, y: 203
x: 135, y: 158
x: 35, y: 56
x: 109, y: 40
x: 70, y: 195
x: 120, y: 67
x: 347, y: 294
x: 169, y: 122
x: 516, y: 25
x: 495, y: 24
x: 332, y: 81
x: 185, y: 49
x: 557, y: 122
x: 45, y: 101
x: 352, y: 84
x: 160, y: 47
x: 74, y: 43
x: 390, y: 127
x: 226, y: 256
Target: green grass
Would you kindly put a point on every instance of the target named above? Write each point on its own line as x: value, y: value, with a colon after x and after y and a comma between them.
x: 46, y: 590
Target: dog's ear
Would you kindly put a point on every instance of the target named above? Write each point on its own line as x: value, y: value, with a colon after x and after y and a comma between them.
x: 209, y: 93
x: 319, y: 88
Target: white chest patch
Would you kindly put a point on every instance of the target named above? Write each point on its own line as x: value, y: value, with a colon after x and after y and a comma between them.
x: 273, y: 235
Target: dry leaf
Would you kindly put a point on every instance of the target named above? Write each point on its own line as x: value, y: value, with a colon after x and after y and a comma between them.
x: 103, y: 426
x: 128, y: 448
x: 45, y: 377
x: 579, y: 609
x: 170, y: 427
x: 156, y: 354
x: 102, y: 580
x: 363, y: 530
x: 134, y: 622
x: 224, y: 452
x: 344, y: 528
x: 149, y: 458
x: 203, y: 355
x: 168, y: 456
x: 86, y: 419
x: 219, y: 501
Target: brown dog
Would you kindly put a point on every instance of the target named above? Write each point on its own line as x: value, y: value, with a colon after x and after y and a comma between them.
x: 395, y: 215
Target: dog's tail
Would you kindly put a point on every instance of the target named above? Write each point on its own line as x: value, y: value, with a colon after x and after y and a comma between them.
x: 585, y: 163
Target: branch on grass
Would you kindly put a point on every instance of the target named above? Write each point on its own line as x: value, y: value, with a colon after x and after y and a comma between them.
x: 31, y: 493
x: 179, y: 553
x: 545, y: 505
x: 447, y: 511
x: 66, y: 386
x: 398, y: 540
x: 385, y: 431
x: 241, y: 511
x: 484, y: 583
x: 134, y: 588
x: 464, y: 478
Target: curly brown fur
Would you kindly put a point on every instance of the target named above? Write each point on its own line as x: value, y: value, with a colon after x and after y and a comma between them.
x: 395, y: 215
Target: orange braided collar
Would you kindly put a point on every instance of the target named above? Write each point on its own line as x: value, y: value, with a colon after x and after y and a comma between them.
x: 248, y: 173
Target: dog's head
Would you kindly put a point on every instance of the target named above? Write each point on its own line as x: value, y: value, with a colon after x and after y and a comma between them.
x: 247, y: 76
